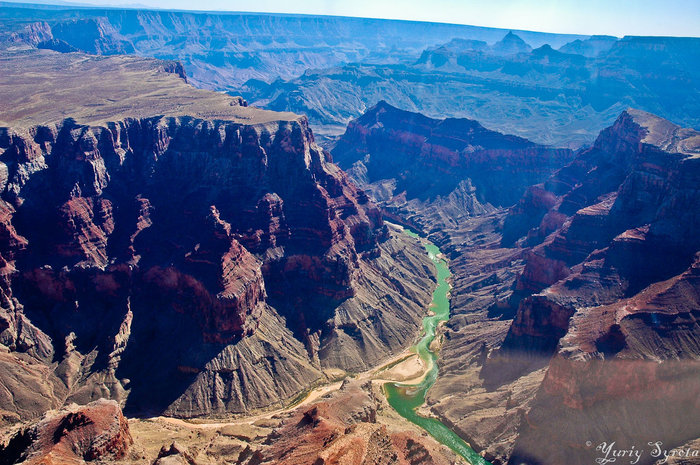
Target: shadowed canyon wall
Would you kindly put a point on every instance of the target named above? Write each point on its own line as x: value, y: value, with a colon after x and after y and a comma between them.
x: 575, y: 309
x: 192, y: 266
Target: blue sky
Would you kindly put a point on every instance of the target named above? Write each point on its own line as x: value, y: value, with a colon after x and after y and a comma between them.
x: 613, y: 17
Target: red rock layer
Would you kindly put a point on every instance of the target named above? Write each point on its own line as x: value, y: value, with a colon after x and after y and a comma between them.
x: 611, y: 295
x: 97, y: 431
x: 108, y: 187
x: 429, y: 157
x: 192, y: 225
x: 344, y: 430
x: 628, y: 210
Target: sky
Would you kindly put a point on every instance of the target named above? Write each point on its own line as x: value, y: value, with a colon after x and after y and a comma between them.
x: 611, y: 17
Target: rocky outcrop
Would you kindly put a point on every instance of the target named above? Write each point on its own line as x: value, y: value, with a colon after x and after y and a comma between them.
x: 430, y: 159
x: 175, y: 454
x: 344, y: 429
x: 74, y: 435
x: 91, y: 35
x: 227, y: 249
x: 629, y: 195
x: 611, y: 295
x: 591, y: 47
x: 32, y: 34
x: 459, y: 53
x: 625, y: 372
x: 510, y: 44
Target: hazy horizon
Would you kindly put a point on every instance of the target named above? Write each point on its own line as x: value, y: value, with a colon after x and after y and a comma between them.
x: 680, y: 18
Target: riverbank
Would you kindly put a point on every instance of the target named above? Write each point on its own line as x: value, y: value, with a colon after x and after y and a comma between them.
x: 409, y: 397
x: 404, y: 379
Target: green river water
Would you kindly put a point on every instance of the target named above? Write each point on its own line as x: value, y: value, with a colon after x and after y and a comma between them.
x: 406, y: 398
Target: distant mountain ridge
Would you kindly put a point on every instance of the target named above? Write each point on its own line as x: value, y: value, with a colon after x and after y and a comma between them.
x: 223, y: 50
x: 552, y: 89
x: 545, y: 95
x: 332, y: 68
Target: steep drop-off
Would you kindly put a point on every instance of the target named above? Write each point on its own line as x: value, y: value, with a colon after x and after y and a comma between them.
x: 622, y: 307
x: 575, y: 310
x: 205, y: 261
x: 449, y: 169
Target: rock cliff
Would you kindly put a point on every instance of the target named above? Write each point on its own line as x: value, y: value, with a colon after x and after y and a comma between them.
x: 205, y: 262
x: 407, y: 161
x: 603, y: 346
x: 623, y: 299
x: 76, y: 434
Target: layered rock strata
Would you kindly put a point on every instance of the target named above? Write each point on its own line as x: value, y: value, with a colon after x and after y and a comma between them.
x: 603, y: 346
x: 74, y: 435
x: 625, y: 299
x: 205, y: 262
x: 574, y: 310
x: 451, y: 159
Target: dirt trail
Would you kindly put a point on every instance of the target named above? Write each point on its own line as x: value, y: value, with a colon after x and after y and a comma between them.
x: 372, y: 374
x: 405, y: 367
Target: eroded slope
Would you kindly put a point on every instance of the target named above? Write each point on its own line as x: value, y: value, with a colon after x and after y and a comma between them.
x: 206, y: 262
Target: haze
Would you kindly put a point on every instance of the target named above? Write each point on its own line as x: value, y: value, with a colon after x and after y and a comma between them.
x: 618, y: 18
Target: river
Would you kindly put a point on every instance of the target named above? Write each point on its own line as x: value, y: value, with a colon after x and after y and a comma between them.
x: 407, y: 398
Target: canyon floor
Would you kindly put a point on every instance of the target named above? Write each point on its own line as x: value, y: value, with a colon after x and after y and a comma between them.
x: 372, y: 433
x: 232, y: 440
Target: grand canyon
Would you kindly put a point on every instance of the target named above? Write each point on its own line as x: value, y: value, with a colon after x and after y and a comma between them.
x: 250, y: 238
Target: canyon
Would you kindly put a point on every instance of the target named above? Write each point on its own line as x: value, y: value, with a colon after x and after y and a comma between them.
x: 576, y: 308
x: 211, y: 261
x: 554, y: 89
x: 203, y: 260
